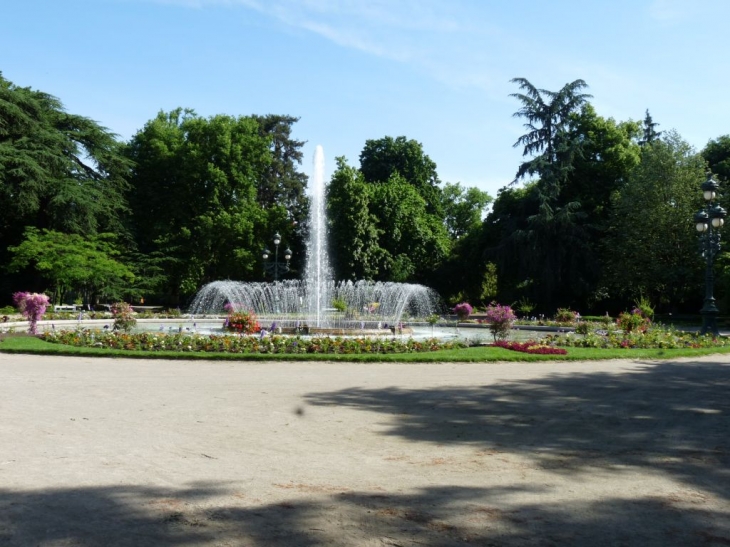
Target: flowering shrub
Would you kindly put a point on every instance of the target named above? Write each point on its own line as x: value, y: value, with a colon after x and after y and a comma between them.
x: 123, y: 315
x: 371, y: 308
x: 530, y: 346
x: 244, y: 322
x: 274, y: 344
x: 643, y: 306
x: 634, y: 321
x: 564, y: 315
x: 32, y: 306
x: 463, y: 310
x: 500, y: 320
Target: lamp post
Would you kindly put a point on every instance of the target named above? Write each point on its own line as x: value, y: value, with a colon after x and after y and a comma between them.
x: 708, y: 222
x: 274, y: 267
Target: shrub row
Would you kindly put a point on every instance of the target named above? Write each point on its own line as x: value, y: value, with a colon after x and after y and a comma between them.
x: 653, y: 338
x: 147, y: 341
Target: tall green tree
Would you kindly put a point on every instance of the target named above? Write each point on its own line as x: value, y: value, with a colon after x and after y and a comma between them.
x: 463, y: 208
x: 717, y: 156
x: 87, y: 266
x: 651, y: 248
x: 609, y: 152
x: 57, y: 170
x: 464, y: 274
x: 380, y: 159
x: 281, y: 182
x: 549, y: 140
x: 194, y: 195
x: 650, y: 134
x: 555, y: 234
x: 354, y: 232
x: 415, y: 240
x: 503, y: 246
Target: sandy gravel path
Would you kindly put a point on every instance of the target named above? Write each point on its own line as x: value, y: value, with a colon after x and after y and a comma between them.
x: 98, y: 452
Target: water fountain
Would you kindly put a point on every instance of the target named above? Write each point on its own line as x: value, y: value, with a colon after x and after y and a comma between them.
x: 317, y: 272
x: 307, y: 304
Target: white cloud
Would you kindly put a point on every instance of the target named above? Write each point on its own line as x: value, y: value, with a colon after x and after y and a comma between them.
x: 440, y: 39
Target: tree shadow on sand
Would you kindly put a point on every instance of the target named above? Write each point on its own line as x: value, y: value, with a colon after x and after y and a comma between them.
x: 666, y: 418
x: 671, y: 417
x: 434, y: 517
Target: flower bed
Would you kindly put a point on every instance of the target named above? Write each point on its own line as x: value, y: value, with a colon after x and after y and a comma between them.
x: 530, y: 346
x: 653, y: 338
x: 148, y: 341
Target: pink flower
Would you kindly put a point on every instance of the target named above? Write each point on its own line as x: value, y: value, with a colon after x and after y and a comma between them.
x: 463, y: 310
x: 32, y: 306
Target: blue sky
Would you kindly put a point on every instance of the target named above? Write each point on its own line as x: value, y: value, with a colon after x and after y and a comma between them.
x: 436, y: 71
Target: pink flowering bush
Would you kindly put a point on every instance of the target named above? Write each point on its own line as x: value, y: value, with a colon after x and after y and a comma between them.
x: 500, y: 320
x: 463, y: 310
x: 32, y: 306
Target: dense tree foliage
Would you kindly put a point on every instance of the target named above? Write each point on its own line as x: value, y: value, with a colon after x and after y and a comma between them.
x: 463, y: 208
x: 553, y: 238
x: 608, y: 153
x: 608, y: 209
x: 382, y: 231
x: 415, y: 240
x: 381, y: 224
x: 649, y: 249
x: 354, y: 230
x: 58, y: 171
x: 194, y: 194
x: 601, y: 217
x: 282, y: 184
x: 549, y: 118
x: 650, y: 134
x: 380, y: 159
x: 717, y: 156
x: 87, y: 267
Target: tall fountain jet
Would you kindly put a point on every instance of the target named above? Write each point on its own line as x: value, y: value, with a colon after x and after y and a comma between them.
x: 317, y: 273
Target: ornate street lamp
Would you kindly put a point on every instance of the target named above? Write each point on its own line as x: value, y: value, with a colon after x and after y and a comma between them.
x: 708, y: 222
x: 273, y: 267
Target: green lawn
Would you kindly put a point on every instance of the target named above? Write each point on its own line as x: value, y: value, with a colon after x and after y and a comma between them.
x: 33, y: 345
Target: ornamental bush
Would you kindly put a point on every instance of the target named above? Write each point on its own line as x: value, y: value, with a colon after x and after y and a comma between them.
x: 643, y: 306
x: 501, y: 319
x: 123, y: 315
x: 32, y: 306
x: 463, y: 310
x: 243, y: 322
x: 564, y: 315
x: 633, y: 322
